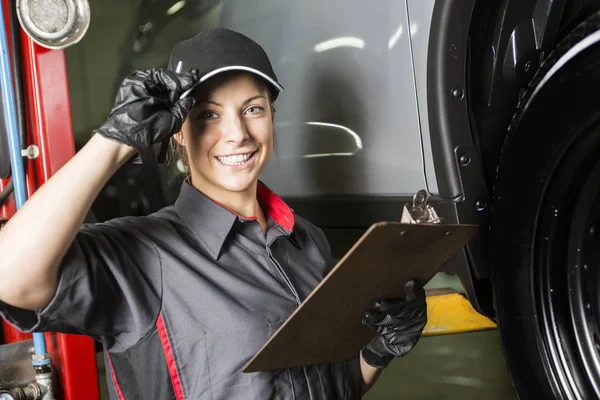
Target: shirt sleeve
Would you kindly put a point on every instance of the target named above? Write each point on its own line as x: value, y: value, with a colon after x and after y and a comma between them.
x: 110, y: 287
x: 348, y: 381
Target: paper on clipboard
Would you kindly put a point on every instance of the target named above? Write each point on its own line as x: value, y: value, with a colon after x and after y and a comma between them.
x: 327, y: 326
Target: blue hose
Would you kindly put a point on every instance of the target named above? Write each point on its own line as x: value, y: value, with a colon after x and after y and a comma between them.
x: 14, y: 145
x: 39, y: 345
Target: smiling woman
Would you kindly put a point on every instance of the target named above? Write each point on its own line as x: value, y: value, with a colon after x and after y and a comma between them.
x: 227, y: 139
x: 183, y: 297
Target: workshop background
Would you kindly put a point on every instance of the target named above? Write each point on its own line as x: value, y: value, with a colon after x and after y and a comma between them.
x: 462, y: 366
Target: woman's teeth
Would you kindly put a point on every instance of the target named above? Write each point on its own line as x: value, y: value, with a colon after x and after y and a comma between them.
x: 238, y: 159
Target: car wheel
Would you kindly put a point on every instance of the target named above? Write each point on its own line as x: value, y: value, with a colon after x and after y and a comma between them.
x: 545, y: 236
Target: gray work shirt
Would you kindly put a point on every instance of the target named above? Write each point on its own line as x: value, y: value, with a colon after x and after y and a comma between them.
x: 183, y: 299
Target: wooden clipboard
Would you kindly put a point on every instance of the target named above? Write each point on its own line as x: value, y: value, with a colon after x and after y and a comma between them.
x: 327, y: 326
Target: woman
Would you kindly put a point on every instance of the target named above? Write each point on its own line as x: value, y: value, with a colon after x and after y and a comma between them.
x: 183, y: 298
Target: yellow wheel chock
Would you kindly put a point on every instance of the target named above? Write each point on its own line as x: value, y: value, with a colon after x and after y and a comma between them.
x: 451, y: 312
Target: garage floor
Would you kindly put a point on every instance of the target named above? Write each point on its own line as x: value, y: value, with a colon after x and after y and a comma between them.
x: 467, y: 366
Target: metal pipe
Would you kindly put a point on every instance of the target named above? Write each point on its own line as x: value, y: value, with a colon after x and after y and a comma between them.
x: 45, y: 382
x: 15, y: 42
x: 14, y: 144
x: 8, y: 189
x: 9, y: 116
x: 31, y: 392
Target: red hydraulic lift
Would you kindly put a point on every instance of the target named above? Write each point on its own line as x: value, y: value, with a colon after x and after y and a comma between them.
x: 49, y: 128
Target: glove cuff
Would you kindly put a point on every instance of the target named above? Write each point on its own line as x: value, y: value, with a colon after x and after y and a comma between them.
x: 374, y: 360
x: 141, y: 154
x: 112, y: 134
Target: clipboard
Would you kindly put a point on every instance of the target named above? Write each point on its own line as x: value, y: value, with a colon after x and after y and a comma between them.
x: 327, y: 327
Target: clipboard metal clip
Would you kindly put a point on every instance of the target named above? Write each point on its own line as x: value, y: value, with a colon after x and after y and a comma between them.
x: 419, y: 211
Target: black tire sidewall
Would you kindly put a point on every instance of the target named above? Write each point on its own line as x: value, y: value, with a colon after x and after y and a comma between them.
x: 543, y: 131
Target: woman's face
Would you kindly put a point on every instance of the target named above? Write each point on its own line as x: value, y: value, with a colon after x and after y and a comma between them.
x: 228, y: 134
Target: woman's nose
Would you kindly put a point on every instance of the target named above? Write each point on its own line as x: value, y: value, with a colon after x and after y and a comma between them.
x: 235, y: 130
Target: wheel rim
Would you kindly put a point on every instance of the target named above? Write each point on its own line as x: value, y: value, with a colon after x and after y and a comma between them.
x: 567, y: 272
x: 584, y: 257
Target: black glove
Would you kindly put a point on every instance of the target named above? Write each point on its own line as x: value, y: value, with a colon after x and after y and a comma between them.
x: 398, y: 325
x: 147, y: 108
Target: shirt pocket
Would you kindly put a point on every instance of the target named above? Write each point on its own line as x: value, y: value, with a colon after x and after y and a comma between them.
x: 229, y: 351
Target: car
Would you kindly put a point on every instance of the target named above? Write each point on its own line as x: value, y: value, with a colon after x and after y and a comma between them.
x: 489, y: 108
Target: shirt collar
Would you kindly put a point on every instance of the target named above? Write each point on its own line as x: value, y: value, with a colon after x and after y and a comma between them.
x: 211, y: 222
x: 275, y: 207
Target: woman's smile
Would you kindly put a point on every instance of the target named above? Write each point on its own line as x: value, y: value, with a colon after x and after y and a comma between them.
x: 237, y: 161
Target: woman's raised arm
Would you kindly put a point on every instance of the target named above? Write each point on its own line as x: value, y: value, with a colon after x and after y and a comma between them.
x: 147, y: 110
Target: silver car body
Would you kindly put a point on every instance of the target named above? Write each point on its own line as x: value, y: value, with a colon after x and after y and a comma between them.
x: 353, y: 116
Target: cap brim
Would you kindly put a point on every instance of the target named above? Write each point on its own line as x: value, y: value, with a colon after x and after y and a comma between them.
x: 232, y: 68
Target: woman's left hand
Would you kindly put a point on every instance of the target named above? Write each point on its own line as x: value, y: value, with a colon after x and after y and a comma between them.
x: 398, y: 325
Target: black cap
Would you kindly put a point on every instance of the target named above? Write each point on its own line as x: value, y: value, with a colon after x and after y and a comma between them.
x: 217, y: 50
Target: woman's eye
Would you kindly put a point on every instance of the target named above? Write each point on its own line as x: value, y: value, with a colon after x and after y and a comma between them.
x: 254, y: 110
x: 208, y: 115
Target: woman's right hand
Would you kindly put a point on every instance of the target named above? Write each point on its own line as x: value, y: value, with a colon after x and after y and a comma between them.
x: 148, y: 109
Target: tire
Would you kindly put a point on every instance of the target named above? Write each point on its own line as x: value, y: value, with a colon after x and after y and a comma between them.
x: 545, y: 237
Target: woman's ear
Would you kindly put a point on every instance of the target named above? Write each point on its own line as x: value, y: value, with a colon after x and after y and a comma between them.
x: 179, y: 138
